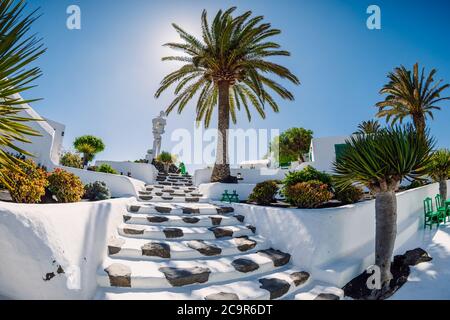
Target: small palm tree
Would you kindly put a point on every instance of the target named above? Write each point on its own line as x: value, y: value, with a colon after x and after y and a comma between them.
x: 410, y: 94
x: 380, y: 161
x: 228, y: 68
x: 439, y: 170
x: 17, y: 51
x: 368, y: 127
x: 89, y: 146
x: 166, y: 159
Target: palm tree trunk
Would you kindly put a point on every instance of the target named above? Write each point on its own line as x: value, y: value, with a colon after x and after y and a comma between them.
x: 419, y: 123
x: 222, y: 168
x: 443, y: 189
x: 386, y: 232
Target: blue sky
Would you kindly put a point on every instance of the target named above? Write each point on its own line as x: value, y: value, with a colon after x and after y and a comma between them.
x: 101, y: 79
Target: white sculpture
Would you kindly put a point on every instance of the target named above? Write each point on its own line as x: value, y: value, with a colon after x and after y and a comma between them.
x: 159, y: 124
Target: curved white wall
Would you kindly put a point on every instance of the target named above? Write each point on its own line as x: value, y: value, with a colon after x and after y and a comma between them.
x: 120, y: 186
x: 142, y: 171
x: 36, y: 239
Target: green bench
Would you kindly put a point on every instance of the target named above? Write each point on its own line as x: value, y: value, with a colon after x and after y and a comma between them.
x: 230, y: 198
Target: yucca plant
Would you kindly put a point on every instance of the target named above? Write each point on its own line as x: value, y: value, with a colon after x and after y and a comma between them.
x: 381, y: 161
x: 89, y: 146
x: 17, y: 51
x: 228, y: 67
x: 411, y: 94
x: 439, y: 170
x: 368, y: 127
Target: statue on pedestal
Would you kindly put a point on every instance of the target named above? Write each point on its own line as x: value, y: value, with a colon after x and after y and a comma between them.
x: 159, y: 124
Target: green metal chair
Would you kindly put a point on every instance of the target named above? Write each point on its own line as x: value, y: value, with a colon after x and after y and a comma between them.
x: 230, y: 198
x: 431, y: 216
x: 441, y: 207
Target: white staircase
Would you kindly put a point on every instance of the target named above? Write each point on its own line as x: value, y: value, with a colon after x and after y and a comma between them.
x: 174, y: 244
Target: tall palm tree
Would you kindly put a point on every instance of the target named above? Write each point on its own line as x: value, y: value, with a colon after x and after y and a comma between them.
x: 410, y: 94
x: 368, y: 127
x: 227, y: 67
x: 380, y: 161
x: 17, y: 51
x: 439, y: 167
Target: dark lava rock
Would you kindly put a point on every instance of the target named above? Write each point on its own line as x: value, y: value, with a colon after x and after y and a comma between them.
x: 191, y: 199
x: 216, y: 221
x: 357, y: 288
x: 173, y: 233
x: 251, y: 228
x: 179, y: 277
x: 224, y: 210
x: 416, y: 256
x: 245, y: 265
x: 191, y: 220
x: 157, y: 219
x: 221, y: 232
x: 115, y: 245
x: 126, y: 218
x: 203, y: 248
x: 133, y: 231
x: 189, y: 210
x: 244, y: 243
x: 240, y: 217
x: 327, y: 296
x: 276, y: 287
x: 156, y: 249
x: 134, y: 209
x: 222, y: 296
x: 299, y: 278
x: 119, y: 275
x: 163, y: 209
x: 278, y: 257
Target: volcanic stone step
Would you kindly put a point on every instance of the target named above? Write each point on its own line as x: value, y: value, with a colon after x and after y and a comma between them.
x: 274, y: 285
x: 176, y: 184
x: 170, y: 188
x: 188, y: 220
x: 320, y: 291
x: 179, y: 208
x: 144, y: 249
x: 180, y: 273
x: 171, y: 193
x: 184, y: 233
x: 173, y: 199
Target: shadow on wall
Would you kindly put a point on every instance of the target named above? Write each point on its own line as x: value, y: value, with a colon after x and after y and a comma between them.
x: 53, y: 251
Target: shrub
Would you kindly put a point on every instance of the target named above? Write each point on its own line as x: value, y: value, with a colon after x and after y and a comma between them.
x: 27, y: 184
x: 65, y: 186
x: 348, y: 195
x: 415, y: 184
x: 71, y: 160
x: 264, y: 193
x: 106, y: 168
x: 96, y: 191
x: 310, y: 194
x: 305, y: 175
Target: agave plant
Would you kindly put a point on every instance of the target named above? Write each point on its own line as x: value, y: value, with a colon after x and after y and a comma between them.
x: 17, y: 51
x: 381, y: 161
x: 411, y: 94
x: 439, y: 170
x: 228, y: 67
